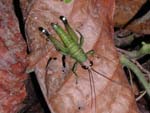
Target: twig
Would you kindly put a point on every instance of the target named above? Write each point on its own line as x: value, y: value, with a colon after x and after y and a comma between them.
x: 131, y: 81
x: 122, y: 51
x: 139, y: 97
x: 141, y: 68
x: 124, y: 41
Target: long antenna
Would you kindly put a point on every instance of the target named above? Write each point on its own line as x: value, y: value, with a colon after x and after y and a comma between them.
x: 107, y: 77
x: 92, y: 87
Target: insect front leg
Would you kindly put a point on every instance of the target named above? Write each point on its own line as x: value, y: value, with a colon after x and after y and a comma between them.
x: 91, y: 52
x: 74, y: 69
x: 81, y: 39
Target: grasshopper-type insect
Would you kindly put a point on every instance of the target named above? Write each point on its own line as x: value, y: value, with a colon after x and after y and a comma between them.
x: 69, y: 46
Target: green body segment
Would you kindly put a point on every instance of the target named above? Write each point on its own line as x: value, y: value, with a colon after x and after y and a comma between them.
x: 77, y: 53
x: 74, y: 50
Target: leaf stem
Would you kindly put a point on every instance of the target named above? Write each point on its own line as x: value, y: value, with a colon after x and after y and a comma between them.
x: 136, y: 54
x: 126, y: 62
x: 145, y: 49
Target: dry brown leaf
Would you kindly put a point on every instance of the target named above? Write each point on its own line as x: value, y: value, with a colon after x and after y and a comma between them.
x: 93, y: 19
x: 125, y: 10
x: 12, y: 60
x: 141, y: 25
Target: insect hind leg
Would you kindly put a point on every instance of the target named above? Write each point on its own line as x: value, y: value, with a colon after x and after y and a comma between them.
x: 64, y: 63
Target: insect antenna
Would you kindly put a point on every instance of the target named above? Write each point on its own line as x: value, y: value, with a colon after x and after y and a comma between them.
x: 107, y: 77
x: 92, y: 86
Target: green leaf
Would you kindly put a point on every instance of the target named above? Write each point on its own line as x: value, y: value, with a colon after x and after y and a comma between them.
x: 67, y: 1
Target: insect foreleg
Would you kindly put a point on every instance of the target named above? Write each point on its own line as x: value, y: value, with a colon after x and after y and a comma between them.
x: 91, y: 52
x: 74, y: 69
x: 81, y: 39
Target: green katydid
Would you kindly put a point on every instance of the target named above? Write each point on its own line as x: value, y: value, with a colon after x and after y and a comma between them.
x: 69, y: 46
